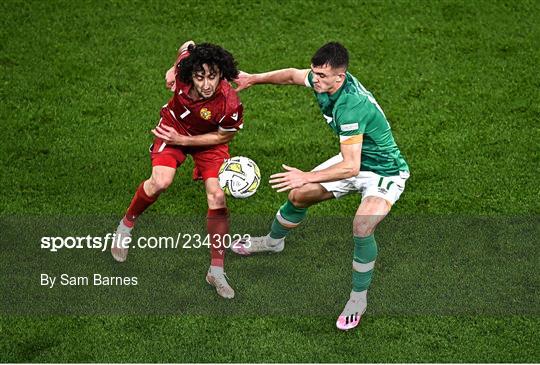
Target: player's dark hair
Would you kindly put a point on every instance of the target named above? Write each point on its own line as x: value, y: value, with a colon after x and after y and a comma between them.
x: 214, y: 56
x: 332, y: 54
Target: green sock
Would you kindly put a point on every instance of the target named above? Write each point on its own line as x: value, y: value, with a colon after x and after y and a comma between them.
x: 286, y: 218
x: 365, y: 253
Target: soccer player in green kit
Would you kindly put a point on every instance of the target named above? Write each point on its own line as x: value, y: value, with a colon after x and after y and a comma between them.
x: 369, y: 162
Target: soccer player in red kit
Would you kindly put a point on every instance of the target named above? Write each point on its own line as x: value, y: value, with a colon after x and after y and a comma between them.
x: 199, y: 120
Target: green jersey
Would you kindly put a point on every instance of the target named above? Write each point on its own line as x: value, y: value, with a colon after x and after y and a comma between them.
x: 354, y: 115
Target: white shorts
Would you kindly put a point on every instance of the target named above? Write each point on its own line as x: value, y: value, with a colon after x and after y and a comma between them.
x: 366, y: 182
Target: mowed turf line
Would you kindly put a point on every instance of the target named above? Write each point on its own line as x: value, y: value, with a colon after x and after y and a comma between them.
x: 82, y: 85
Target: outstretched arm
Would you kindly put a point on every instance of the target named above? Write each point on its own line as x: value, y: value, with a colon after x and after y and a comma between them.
x: 294, y: 178
x: 287, y: 76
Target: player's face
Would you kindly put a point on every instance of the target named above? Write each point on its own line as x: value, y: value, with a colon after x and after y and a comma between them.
x: 326, y: 79
x: 206, y: 81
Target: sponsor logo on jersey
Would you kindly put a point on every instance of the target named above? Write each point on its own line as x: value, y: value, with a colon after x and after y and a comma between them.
x: 235, y: 116
x: 206, y: 114
x: 349, y: 127
x: 383, y: 190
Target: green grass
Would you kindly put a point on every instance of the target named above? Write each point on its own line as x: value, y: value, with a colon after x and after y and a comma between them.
x: 82, y: 83
x: 275, y: 339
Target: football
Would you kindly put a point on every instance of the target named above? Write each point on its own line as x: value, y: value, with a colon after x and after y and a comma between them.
x: 239, y: 177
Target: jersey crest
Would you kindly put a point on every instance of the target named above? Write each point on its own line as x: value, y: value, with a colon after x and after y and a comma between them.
x: 206, y: 114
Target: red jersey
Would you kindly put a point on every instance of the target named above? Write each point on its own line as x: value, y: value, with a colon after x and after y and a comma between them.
x: 222, y: 111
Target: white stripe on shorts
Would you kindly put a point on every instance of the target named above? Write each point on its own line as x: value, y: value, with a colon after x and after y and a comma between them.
x: 162, y: 147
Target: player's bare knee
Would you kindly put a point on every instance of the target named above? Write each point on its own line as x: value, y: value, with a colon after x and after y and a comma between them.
x: 298, y: 198
x: 216, y: 197
x: 160, y: 183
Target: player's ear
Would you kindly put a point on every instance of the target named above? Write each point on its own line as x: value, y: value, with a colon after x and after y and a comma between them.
x: 341, y: 75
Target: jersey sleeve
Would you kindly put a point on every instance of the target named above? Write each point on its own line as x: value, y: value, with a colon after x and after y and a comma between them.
x: 309, y: 79
x: 181, y: 56
x: 351, y: 121
x: 233, y: 118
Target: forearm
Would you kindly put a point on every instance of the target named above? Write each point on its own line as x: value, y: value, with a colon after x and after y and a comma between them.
x: 341, y: 170
x: 279, y: 77
x: 207, y: 139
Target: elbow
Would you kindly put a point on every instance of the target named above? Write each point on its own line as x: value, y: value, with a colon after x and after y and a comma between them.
x: 353, y: 170
x: 185, y: 46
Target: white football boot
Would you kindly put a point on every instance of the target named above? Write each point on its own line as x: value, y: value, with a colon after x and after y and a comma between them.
x: 246, y: 247
x: 352, y: 313
x: 119, y: 246
x: 219, y: 281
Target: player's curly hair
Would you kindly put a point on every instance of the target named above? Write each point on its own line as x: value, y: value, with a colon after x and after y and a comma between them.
x: 332, y: 54
x: 214, y: 56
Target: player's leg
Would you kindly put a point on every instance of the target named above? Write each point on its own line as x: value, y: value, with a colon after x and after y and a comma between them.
x: 217, y: 225
x: 293, y: 212
x: 145, y: 195
x: 207, y: 164
x: 165, y: 160
x: 289, y: 216
x: 380, y: 193
x: 371, y: 211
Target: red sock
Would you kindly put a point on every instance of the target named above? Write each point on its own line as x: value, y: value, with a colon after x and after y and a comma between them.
x: 217, y: 223
x: 138, y: 205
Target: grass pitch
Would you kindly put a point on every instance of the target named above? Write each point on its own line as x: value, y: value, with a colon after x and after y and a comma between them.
x: 82, y: 83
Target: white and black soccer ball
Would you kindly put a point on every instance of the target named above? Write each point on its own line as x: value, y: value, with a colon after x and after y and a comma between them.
x: 239, y: 177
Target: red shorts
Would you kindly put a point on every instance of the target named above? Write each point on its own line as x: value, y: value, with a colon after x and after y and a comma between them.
x: 207, y: 160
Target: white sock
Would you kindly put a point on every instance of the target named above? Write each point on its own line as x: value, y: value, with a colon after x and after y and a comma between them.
x: 359, y: 296
x: 122, y: 228
x: 274, y: 241
x: 216, y: 270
